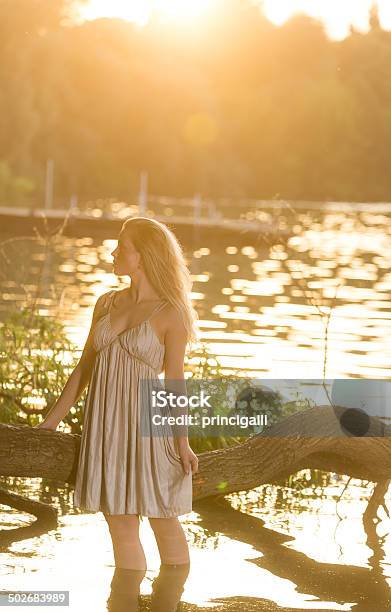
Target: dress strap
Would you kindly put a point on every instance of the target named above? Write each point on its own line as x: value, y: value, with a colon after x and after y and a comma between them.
x: 110, y: 298
x: 159, y: 306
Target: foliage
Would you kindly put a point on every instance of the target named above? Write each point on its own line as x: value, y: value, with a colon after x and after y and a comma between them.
x: 36, y: 359
x: 13, y: 189
x: 233, y: 107
x: 205, y: 372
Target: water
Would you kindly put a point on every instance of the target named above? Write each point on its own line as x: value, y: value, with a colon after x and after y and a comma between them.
x: 291, y: 555
x: 263, y: 311
x: 263, y: 308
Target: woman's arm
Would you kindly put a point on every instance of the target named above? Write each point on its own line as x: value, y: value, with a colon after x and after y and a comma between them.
x: 175, y: 346
x: 79, y: 378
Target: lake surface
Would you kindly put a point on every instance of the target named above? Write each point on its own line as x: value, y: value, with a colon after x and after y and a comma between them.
x: 263, y: 309
x: 307, y: 550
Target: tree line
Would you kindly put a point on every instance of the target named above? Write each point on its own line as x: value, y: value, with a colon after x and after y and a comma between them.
x: 233, y: 107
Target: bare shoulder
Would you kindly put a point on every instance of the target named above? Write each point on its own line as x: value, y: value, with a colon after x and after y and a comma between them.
x: 102, y: 302
x: 104, y: 298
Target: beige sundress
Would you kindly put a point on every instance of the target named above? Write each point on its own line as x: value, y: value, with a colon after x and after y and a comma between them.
x: 121, y: 470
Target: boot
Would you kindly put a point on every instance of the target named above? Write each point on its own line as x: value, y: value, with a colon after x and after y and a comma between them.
x: 167, y: 588
x: 125, y: 590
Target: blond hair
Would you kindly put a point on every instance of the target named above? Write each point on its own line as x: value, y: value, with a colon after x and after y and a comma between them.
x: 165, y: 266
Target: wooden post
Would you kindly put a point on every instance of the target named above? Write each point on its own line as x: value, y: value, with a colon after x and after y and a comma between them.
x: 49, y: 184
x: 197, y: 206
x: 212, y: 212
x: 73, y: 202
x: 143, y: 194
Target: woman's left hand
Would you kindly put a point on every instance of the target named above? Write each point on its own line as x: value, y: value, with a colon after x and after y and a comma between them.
x: 188, y: 458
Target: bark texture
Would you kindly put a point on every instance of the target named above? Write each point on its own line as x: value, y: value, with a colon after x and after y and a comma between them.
x: 313, y: 438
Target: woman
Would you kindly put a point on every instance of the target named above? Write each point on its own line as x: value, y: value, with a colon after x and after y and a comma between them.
x: 136, y: 333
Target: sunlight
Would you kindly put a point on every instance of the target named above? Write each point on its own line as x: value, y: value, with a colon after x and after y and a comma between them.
x: 181, y: 9
x: 337, y: 16
x: 137, y: 11
x: 385, y: 14
x: 140, y: 11
x: 278, y: 11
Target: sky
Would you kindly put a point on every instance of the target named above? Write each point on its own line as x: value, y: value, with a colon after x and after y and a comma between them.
x: 337, y: 15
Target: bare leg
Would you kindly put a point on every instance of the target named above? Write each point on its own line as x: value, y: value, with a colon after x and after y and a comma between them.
x: 127, y: 547
x: 171, y: 540
x: 175, y: 564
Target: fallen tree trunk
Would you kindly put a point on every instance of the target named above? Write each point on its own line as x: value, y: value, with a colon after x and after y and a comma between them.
x: 46, y: 512
x: 310, y: 439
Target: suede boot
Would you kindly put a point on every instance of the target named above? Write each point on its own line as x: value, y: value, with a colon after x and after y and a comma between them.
x: 168, y: 587
x: 125, y: 590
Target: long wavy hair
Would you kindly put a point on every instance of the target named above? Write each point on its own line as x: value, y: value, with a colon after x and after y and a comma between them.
x: 165, y: 266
